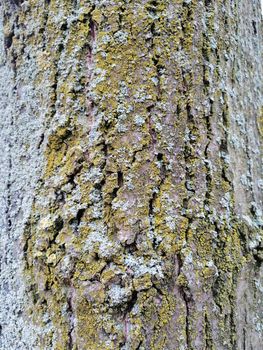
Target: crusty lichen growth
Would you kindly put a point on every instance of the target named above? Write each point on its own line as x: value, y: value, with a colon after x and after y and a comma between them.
x: 133, y: 241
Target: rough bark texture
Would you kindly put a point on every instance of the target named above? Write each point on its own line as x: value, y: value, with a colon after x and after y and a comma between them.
x: 131, y: 189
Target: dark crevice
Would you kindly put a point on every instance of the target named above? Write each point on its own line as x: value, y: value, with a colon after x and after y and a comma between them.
x: 159, y: 69
x: 8, y: 206
x: 163, y: 169
x: 244, y: 339
x: 16, y: 3
x: 64, y: 27
x: 120, y: 179
x: 135, y: 154
x: 131, y: 303
x: 131, y: 248
x: 249, y: 168
x: 96, y: 256
x: 105, y: 149
x: 208, y: 120
x: 60, y: 197
x: 207, y: 52
x: 99, y: 185
x: 75, y: 222
x: 258, y: 258
x: 8, y: 40
x: 139, y: 345
x: 223, y: 145
x: 104, y: 268
x: 225, y: 118
x: 121, y: 15
x: 189, y: 157
x: 152, y: 10
x: 158, y: 289
x: 115, y: 191
x: 41, y: 139
x: 93, y: 29
x: 79, y: 216
x: 208, y: 3
x: 224, y: 141
x: 186, y: 296
x: 60, y: 48
x: 55, y: 142
x: 43, y: 29
x: 151, y: 215
x: 10, y: 170
x: 55, y: 97
x: 206, y: 154
x: 152, y: 131
x: 71, y: 324
x: 58, y: 226
x: 163, y: 175
x: 151, y: 201
x: 71, y: 177
x: 254, y: 25
x: 159, y: 157
x: 208, y: 335
x: 216, y: 290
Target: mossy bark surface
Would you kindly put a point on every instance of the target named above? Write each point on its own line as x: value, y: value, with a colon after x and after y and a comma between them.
x: 131, y: 194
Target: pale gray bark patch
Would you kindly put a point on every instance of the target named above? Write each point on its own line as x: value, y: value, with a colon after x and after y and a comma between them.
x: 244, y: 84
x: 250, y: 308
x: 21, y: 162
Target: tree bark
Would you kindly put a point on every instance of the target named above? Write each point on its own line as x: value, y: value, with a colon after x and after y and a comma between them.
x: 131, y: 177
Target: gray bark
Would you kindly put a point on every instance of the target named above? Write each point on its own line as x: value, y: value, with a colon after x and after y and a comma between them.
x: 131, y: 175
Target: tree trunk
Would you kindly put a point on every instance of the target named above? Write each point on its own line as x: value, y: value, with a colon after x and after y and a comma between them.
x: 131, y: 189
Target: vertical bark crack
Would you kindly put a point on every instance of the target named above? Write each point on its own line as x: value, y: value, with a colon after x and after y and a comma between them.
x: 9, y: 50
x: 71, y: 324
x: 186, y: 298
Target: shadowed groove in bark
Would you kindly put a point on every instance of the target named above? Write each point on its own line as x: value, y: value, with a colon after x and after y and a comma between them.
x: 71, y: 322
x: 8, y: 41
